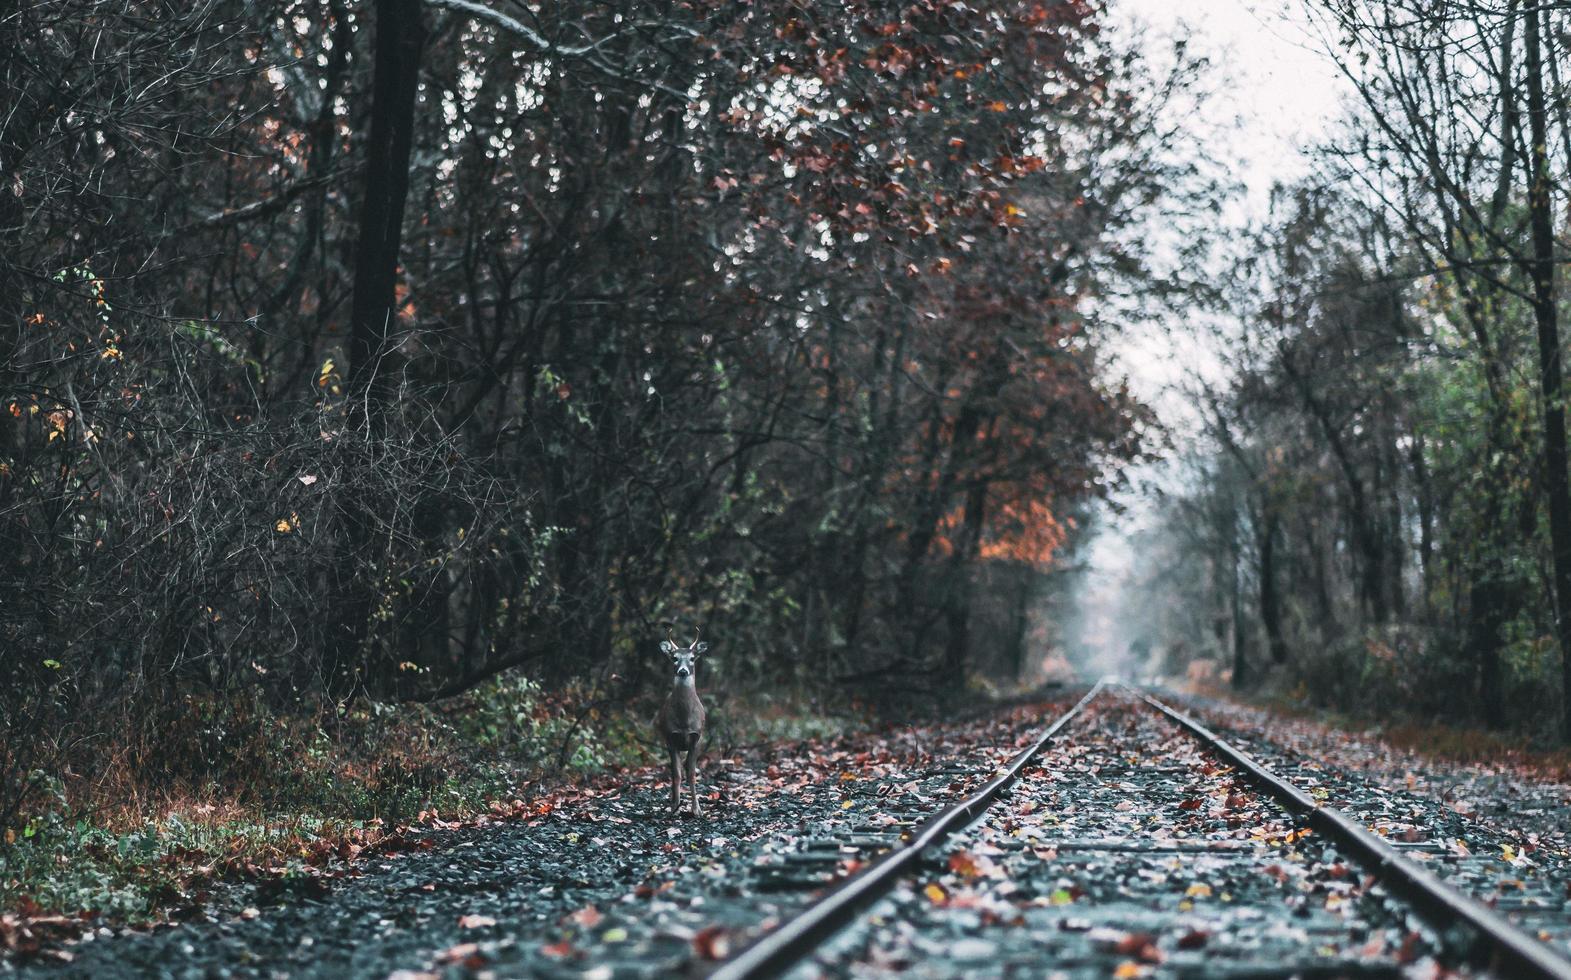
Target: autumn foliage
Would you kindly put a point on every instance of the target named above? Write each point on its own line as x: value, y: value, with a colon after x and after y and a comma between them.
x: 770, y: 318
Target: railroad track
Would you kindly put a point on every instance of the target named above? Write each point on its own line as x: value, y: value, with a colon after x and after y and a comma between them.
x: 1130, y: 840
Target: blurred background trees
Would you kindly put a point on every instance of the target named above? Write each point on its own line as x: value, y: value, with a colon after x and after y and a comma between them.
x: 362, y: 350
x: 1385, y: 465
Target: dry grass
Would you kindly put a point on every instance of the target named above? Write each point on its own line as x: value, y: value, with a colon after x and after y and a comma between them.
x: 1472, y: 746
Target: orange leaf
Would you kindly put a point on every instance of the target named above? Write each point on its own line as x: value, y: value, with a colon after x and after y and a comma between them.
x: 711, y: 943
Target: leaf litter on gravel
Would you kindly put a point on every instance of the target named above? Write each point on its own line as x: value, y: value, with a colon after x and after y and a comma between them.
x: 593, y: 874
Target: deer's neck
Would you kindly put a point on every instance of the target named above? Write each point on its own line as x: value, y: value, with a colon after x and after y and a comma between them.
x: 685, y: 682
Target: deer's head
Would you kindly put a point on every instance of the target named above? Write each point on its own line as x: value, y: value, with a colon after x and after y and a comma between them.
x: 684, y: 659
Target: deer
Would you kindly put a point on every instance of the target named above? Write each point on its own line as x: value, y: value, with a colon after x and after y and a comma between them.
x: 681, y: 719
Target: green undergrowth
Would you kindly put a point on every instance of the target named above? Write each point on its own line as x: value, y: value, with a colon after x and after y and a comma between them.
x: 228, y: 790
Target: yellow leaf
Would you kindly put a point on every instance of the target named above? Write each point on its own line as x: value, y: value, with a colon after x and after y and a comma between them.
x: 1507, y: 853
x: 54, y: 434
x: 1128, y: 969
x: 282, y: 527
x: 1198, y: 890
x: 934, y: 893
x: 326, y: 373
x: 848, y: 804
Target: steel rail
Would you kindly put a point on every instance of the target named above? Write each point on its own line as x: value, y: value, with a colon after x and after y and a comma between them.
x: 778, y: 950
x: 1443, y: 904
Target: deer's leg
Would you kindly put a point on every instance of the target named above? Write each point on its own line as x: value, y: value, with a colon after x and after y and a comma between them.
x: 692, y: 776
x: 676, y: 779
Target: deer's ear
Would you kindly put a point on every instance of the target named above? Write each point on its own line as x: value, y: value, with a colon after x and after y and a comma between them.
x: 700, y: 647
x: 666, y: 646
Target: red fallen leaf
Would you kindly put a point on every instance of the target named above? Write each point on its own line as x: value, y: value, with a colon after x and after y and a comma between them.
x: 1141, y: 946
x: 588, y: 917
x: 557, y: 950
x: 1236, y: 800
x: 712, y: 943
x: 1275, y: 871
x: 963, y: 863
x: 466, y: 955
x: 1337, y: 871
x: 1194, y: 939
x: 1409, y: 951
x: 1191, y: 804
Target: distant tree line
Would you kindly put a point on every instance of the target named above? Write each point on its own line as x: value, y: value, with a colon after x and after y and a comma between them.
x: 365, y: 349
x: 1381, y: 512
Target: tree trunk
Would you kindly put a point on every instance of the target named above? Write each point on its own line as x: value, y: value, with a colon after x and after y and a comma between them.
x: 400, y: 35
x: 1270, y: 598
x: 962, y: 566
x: 1557, y: 482
x: 1235, y: 600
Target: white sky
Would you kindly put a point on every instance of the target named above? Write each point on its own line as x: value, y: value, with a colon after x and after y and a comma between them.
x: 1279, y: 94
x: 1285, y: 88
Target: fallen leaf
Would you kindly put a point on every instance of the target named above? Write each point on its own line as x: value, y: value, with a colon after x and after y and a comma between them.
x: 466, y: 955
x: 711, y: 943
x: 1194, y: 939
x: 1141, y: 945
x: 964, y: 863
x: 475, y: 922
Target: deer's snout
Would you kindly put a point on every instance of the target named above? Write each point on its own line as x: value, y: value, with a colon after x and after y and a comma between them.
x: 682, y: 672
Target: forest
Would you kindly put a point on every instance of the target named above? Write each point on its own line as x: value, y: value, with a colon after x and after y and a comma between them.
x: 382, y: 380
x: 1378, y: 515
x: 356, y: 354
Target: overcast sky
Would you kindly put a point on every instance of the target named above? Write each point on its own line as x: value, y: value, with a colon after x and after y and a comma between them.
x: 1284, y: 89
x: 1280, y: 94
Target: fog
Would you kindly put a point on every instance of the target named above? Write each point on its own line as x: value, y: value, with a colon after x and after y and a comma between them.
x: 1277, y: 95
